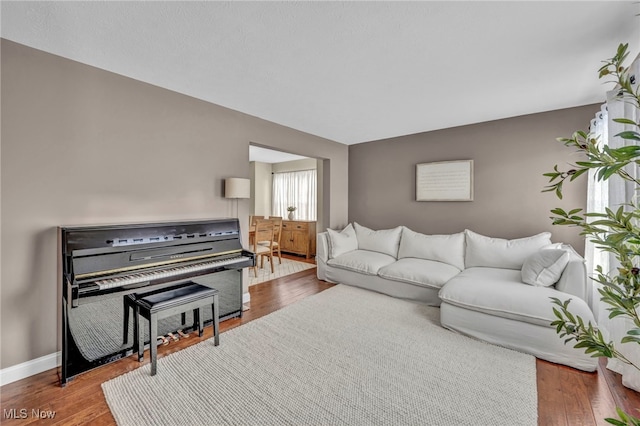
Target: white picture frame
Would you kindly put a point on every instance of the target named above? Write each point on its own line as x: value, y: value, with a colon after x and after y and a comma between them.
x: 445, y: 181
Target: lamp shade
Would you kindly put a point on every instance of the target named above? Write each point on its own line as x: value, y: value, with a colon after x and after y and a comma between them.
x: 237, y: 188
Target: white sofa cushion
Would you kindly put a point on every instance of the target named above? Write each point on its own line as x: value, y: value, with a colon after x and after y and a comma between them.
x: 544, y: 267
x: 500, y: 292
x: 422, y: 272
x: 342, y: 242
x: 501, y: 253
x: 383, y: 241
x: 363, y: 261
x: 442, y: 248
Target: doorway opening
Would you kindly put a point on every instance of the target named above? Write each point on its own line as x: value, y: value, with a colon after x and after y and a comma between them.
x: 280, y: 180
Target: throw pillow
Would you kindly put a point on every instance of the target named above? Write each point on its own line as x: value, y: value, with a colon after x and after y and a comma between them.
x: 441, y: 248
x: 545, y: 267
x: 384, y: 241
x: 501, y: 253
x: 342, y: 242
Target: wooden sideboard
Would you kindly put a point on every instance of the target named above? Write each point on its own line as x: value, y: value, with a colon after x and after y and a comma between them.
x: 299, y: 237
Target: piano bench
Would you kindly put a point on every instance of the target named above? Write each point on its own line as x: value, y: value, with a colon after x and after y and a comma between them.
x: 158, y: 305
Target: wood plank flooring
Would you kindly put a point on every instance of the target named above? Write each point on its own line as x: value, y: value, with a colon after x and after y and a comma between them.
x: 566, y: 397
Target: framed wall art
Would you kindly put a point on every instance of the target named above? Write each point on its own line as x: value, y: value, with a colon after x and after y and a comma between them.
x: 445, y: 181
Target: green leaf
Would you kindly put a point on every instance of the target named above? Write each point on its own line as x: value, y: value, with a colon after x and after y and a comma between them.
x: 629, y: 135
x: 578, y: 173
x: 625, y: 121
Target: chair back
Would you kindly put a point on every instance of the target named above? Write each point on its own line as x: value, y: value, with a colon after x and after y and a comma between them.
x: 264, y: 232
x: 277, y: 227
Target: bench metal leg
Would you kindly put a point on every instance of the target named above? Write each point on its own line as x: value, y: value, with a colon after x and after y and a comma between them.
x: 153, y: 343
x: 165, y: 312
x: 216, y: 321
x: 138, y: 334
x: 200, y: 322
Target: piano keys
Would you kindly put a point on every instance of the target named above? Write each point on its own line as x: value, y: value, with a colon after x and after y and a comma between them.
x: 99, y: 265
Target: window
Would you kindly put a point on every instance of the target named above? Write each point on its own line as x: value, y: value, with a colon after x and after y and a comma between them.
x: 296, y: 189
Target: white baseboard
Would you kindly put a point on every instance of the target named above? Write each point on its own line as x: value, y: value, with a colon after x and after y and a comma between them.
x: 29, y: 368
x: 47, y: 362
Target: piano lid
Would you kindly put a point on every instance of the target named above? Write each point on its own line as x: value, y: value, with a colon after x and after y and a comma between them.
x: 96, y: 238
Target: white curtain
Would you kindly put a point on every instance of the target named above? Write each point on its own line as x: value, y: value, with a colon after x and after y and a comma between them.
x: 597, y: 201
x: 295, y: 189
x: 613, y: 193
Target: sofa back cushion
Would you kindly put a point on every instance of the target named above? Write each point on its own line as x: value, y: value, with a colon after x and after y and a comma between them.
x: 383, y: 241
x: 341, y: 242
x: 500, y: 253
x: 447, y: 249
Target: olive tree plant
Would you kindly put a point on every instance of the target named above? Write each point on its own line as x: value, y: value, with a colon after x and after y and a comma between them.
x: 616, y: 231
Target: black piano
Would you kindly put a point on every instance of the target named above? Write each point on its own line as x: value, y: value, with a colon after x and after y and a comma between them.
x: 99, y: 265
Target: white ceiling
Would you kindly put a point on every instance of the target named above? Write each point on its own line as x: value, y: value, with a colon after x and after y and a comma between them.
x: 348, y: 71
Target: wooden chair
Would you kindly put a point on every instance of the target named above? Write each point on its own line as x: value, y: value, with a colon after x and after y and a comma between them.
x: 277, y: 232
x: 263, y: 234
x: 252, y: 224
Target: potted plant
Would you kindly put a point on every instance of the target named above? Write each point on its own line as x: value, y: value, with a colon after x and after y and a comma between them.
x: 291, y: 209
x: 616, y: 232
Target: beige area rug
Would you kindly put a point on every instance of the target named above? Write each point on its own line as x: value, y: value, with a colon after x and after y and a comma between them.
x: 288, y: 267
x: 346, y: 356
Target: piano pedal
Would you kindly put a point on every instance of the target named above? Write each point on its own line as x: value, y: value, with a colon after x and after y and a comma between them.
x: 183, y: 334
x: 173, y: 337
x: 163, y: 340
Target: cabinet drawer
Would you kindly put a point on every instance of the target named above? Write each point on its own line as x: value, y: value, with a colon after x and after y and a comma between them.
x: 296, y: 226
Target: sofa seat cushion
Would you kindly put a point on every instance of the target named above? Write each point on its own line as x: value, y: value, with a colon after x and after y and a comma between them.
x: 500, y: 292
x: 363, y: 261
x: 422, y: 272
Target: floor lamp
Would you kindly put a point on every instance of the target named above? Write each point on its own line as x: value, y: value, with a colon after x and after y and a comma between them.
x: 237, y: 188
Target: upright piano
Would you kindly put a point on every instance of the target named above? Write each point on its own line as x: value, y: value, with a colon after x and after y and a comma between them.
x: 99, y: 265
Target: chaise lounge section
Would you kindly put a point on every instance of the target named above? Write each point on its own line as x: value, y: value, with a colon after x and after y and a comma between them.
x: 492, y: 289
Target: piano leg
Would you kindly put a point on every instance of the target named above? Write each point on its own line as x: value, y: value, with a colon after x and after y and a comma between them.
x: 125, y: 325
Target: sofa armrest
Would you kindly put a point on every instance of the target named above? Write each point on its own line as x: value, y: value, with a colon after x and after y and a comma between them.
x: 322, y: 254
x: 574, y: 279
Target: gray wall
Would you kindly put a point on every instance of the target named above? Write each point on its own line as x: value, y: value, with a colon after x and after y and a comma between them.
x: 81, y: 145
x: 509, y: 156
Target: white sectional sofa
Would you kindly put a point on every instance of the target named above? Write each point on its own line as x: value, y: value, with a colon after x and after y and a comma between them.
x: 492, y: 289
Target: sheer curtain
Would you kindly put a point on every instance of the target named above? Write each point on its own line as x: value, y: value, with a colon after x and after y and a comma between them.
x: 612, y: 193
x: 297, y: 189
x: 597, y: 201
x: 621, y: 192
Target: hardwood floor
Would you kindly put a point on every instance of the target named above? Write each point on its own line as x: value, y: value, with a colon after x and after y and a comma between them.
x: 565, y: 396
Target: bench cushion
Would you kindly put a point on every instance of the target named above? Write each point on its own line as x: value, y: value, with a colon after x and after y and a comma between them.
x: 160, y: 300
